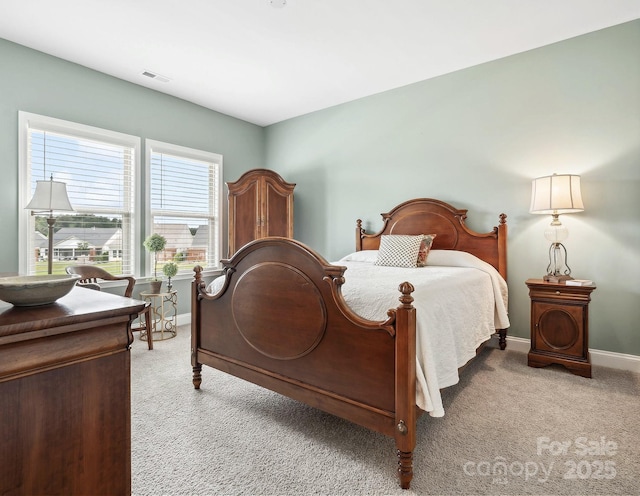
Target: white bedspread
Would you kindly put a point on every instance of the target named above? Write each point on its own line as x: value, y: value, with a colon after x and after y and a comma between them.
x: 460, y: 301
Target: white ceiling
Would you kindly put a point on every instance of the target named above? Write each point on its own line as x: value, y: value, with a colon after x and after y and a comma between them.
x: 250, y: 60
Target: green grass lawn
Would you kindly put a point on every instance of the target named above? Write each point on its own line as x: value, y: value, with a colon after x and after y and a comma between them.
x: 60, y: 266
x: 114, y: 267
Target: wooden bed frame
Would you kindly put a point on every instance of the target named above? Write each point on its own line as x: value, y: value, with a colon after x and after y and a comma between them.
x: 280, y: 321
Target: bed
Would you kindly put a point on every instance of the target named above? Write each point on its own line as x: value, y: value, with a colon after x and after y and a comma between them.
x: 279, y: 317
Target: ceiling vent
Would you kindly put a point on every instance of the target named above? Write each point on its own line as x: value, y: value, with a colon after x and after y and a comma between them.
x: 156, y: 76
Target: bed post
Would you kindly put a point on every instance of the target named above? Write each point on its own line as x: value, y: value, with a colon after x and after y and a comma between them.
x: 359, y: 233
x: 502, y: 246
x: 195, y: 325
x: 406, y: 416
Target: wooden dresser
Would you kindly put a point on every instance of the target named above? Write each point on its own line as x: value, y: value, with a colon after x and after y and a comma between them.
x: 260, y: 205
x: 65, y: 407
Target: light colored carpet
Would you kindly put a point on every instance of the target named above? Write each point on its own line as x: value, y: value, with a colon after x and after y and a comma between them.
x: 234, y: 438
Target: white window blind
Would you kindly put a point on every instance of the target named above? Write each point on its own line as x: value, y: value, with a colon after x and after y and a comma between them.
x: 185, y: 188
x: 99, y: 169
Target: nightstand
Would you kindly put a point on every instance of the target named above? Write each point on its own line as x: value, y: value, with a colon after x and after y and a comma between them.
x: 560, y: 325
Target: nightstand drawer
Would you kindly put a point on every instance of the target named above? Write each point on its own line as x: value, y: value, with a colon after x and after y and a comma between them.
x: 562, y: 293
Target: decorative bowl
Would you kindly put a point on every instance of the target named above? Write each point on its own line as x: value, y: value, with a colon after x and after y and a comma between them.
x: 27, y: 291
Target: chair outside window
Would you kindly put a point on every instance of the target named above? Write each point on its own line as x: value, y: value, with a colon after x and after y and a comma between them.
x: 90, y: 277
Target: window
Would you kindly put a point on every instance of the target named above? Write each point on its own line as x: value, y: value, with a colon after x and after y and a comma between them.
x: 185, y: 203
x: 100, y: 169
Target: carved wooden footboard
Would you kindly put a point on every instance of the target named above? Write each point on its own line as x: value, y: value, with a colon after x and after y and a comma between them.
x: 280, y: 321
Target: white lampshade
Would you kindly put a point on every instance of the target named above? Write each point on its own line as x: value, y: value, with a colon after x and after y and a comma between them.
x: 50, y: 195
x: 556, y: 194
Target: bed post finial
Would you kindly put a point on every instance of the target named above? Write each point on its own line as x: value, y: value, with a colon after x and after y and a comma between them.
x: 406, y: 288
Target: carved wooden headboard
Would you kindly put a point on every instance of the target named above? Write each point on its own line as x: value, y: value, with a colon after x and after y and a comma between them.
x: 429, y: 216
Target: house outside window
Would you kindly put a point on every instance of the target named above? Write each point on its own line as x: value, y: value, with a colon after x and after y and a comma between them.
x: 101, y: 171
x: 184, y: 189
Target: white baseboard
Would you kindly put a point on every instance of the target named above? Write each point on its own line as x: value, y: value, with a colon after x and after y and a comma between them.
x: 184, y: 318
x: 599, y: 358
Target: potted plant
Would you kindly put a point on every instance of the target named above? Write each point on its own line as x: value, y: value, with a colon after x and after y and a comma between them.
x: 170, y: 269
x: 154, y: 244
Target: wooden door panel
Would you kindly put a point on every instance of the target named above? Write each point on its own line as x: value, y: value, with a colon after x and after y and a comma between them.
x: 277, y: 212
x: 558, y: 328
x: 244, y: 216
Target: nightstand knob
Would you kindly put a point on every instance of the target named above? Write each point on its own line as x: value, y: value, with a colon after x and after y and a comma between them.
x: 557, y: 292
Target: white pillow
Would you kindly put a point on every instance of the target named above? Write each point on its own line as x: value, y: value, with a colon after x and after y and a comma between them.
x: 361, y: 256
x: 399, y: 250
x: 452, y: 258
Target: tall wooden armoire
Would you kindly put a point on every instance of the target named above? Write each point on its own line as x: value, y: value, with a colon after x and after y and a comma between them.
x: 260, y: 205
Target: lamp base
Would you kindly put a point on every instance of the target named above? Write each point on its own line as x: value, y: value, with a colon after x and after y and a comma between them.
x: 556, y: 279
x: 557, y: 261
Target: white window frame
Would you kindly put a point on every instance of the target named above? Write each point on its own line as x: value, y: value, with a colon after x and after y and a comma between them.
x: 26, y: 121
x: 215, y: 235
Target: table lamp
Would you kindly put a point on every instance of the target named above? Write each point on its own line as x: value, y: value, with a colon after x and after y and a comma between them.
x: 556, y: 194
x: 49, y: 196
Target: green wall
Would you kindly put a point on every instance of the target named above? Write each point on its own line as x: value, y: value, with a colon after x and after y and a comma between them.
x: 35, y: 82
x: 476, y: 138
